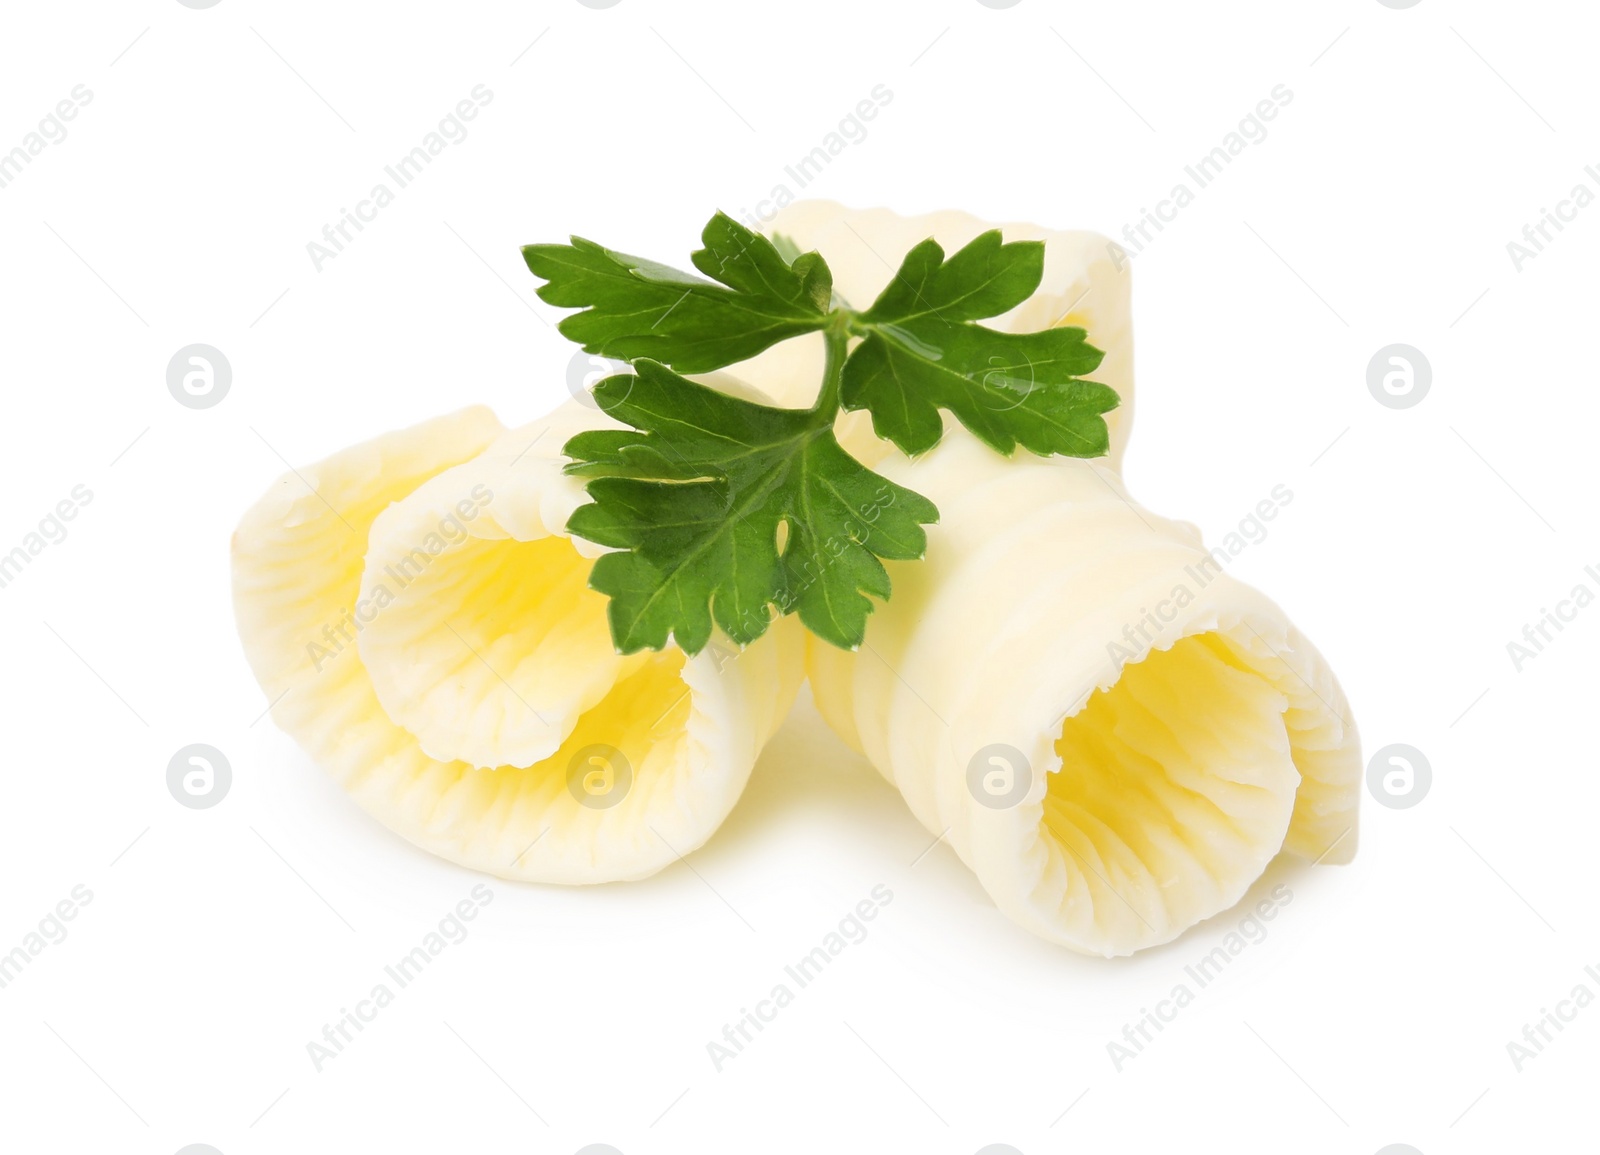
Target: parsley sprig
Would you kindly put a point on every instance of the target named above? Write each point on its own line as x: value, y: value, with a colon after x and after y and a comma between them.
x: 722, y: 511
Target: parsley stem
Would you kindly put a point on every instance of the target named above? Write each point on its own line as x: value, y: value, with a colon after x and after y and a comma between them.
x: 837, y: 336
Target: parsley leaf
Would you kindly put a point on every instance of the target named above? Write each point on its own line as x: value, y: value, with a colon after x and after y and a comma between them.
x: 722, y: 512
x: 636, y: 308
x: 724, y: 509
x: 922, y: 353
x: 984, y: 279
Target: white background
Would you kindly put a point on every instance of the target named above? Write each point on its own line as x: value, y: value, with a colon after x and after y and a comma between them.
x: 1419, y: 542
